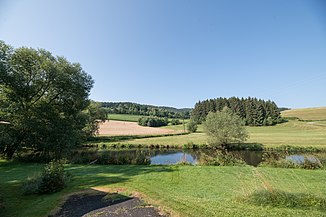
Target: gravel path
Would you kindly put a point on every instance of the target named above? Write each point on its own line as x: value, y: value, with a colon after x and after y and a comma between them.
x: 133, y: 207
x: 93, y: 203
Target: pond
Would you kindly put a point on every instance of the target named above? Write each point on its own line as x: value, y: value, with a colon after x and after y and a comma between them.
x: 195, y: 156
x: 154, y: 156
x: 159, y: 156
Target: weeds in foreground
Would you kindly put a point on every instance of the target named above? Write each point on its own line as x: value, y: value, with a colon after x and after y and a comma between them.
x: 222, y: 159
x: 53, y: 179
x: 277, y: 198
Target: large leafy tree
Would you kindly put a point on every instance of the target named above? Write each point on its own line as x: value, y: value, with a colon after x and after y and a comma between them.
x: 224, y: 128
x: 42, y: 98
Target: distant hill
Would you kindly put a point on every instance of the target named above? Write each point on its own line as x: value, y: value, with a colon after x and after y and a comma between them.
x: 148, y: 110
x: 306, y: 113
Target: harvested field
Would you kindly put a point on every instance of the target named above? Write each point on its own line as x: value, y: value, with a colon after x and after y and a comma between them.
x: 306, y: 113
x: 131, y: 128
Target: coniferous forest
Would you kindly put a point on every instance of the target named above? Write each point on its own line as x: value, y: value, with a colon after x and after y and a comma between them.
x: 254, y: 112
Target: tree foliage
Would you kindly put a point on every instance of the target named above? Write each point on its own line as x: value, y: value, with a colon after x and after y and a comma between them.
x: 225, y: 127
x: 146, y: 110
x: 94, y: 115
x: 153, y: 121
x: 192, y: 126
x: 254, y: 112
x: 42, y: 97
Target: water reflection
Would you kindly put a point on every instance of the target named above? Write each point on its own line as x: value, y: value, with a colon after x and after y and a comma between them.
x: 174, y: 156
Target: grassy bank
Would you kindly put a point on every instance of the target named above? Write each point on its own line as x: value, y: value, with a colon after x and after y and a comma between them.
x: 184, y: 190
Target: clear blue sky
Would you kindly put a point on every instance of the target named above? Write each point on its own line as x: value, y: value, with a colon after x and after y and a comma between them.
x: 174, y: 52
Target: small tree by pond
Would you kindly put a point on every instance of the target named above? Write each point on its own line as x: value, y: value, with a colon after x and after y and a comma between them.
x: 225, y: 127
x: 192, y: 126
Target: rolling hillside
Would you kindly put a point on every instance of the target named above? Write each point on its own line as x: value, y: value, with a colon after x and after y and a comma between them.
x: 306, y: 113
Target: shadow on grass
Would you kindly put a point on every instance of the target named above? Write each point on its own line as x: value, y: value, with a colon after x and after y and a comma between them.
x: 86, y: 176
x: 12, y: 175
x: 82, y: 203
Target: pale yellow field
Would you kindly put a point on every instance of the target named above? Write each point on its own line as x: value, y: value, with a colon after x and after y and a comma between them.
x: 306, y: 113
x: 131, y: 128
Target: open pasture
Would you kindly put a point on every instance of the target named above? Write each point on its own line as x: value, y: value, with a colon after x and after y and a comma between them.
x: 294, y: 133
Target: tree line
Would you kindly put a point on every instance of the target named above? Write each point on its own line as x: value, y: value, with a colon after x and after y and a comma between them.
x: 145, y: 110
x: 254, y: 112
x: 153, y: 121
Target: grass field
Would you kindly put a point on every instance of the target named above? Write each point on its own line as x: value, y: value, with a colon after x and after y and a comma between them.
x: 124, y: 117
x: 295, y: 133
x: 180, y: 190
x: 306, y: 113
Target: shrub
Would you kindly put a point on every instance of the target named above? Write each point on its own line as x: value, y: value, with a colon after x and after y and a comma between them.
x: 245, y: 146
x: 190, y: 145
x: 224, y: 128
x: 192, y: 126
x: 52, y: 179
x: 277, y: 159
x: 222, y: 159
x: 175, y: 122
x: 31, y: 185
x: 152, y: 121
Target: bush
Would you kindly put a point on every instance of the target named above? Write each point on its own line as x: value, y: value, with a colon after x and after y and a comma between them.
x: 222, y: 159
x: 245, y: 146
x: 192, y: 126
x: 175, y: 122
x: 52, y: 179
x: 31, y: 185
x: 152, y: 121
x: 277, y: 159
x: 224, y: 128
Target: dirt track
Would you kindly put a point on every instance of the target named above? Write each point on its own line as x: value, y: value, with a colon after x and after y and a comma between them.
x: 130, y: 128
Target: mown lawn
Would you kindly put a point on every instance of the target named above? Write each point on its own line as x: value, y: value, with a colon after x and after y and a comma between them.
x: 181, y: 190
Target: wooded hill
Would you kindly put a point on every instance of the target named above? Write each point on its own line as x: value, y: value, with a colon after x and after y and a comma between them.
x: 146, y: 110
x: 254, y: 112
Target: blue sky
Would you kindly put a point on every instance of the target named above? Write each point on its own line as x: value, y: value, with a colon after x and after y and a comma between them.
x: 174, y: 52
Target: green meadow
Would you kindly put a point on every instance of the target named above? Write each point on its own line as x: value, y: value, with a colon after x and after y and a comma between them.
x: 124, y: 117
x: 293, y: 132
x: 189, y: 190
x: 179, y: 190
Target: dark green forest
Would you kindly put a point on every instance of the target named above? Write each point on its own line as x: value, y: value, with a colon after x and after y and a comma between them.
x: 254, y: 112
x: 146, y: 110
